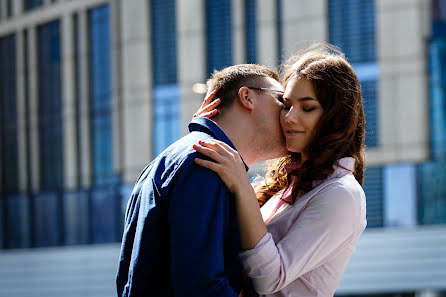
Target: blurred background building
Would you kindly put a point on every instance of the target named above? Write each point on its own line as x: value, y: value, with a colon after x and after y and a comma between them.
x: 92, y: 90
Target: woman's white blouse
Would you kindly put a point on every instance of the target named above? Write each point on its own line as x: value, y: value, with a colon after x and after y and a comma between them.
x: 309, y: 244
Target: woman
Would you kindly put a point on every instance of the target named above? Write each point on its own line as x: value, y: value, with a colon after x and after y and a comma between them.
x: 313, y: 205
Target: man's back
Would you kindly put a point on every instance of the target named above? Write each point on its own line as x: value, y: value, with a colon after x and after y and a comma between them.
x: 180, y: 236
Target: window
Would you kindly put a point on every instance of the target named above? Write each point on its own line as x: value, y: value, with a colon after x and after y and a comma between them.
x: 373, y: 188
x: 431, y: 177
x: 47, y: 217
x: 9, y: 8
x: 250, y: 27
x: 219, y: 34
x: 352, y: 29
x: 100, y: 95
x: 164, y: 56
x: 50, y: 106
x: 18, y: 221
x: 104, y: 202
x: 437, y: 80
x: 166, y: 93
x: 77, y: 220
x: 46, y: 204
x: 31, y: 4
x: 8, y: 115
x: 279, y: 25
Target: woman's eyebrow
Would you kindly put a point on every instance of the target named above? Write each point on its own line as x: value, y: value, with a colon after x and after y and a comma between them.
x: 306, y: 99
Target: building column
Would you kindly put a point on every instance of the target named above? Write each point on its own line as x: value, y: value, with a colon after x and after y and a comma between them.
x: 238, y: 32
x: 403, y: 81
x: 70, y: 160
x: 304, y: 22
x: 116, y: 82
x: 21, y: 111
x: 136, y: 142
x: 3, y: 10
x: 17, y: 8
x: 267, y: 35
x: 84, y: 110
x: 191, y: 45
x: 33, y: 110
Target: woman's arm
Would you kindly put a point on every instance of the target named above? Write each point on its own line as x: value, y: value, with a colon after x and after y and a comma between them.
x: 231, y: 170
x: 326, y: 227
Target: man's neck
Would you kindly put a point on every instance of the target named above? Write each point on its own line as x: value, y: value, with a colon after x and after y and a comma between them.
x: 239, y: 131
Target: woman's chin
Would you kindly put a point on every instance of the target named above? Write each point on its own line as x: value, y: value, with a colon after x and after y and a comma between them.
x: 292, y: 149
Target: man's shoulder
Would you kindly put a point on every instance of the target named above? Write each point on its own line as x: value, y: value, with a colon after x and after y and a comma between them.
x: 176, y: 159
x: 181, y: 151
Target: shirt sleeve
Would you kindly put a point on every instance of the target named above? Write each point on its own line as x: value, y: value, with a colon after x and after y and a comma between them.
x: 198, y: 220
x: 324, y: 228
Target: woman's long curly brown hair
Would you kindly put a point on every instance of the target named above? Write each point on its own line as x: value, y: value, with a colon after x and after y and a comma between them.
x: 340, y: 130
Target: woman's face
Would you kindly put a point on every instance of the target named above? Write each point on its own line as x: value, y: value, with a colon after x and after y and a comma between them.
x: 300, y: 114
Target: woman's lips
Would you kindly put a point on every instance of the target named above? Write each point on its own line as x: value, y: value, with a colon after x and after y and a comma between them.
x: 292, y: 132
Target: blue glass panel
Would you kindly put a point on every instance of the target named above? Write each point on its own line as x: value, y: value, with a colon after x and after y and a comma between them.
x: 18, y: 221
x: 47, y: 219
x: 251, y: 31
x: 352, y: 28
x: 369, y: 90
x: 76, y: 210
x: 167, y: 124
x: 219, y: 34
x: 50, y: 106
x: 400, y: 206
x: 164, y: 56
x: 31, y: 4
x: 100, y: 88
x: 105, y: 214
x: 8, y: 115
x: 431, y: 178
x: 437, y: 63
x: 373, y: 188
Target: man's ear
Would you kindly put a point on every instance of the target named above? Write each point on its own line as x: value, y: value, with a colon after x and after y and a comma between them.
x: 245, y: 96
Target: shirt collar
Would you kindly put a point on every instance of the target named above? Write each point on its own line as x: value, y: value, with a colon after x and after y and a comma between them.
x: 208, y: 126
x: 346, y: 165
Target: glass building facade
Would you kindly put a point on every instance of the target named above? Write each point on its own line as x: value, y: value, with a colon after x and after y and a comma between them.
x: 352, y: 28
x: 251, y: 32
x: 166, y: 92
x: 218, y: 34
x: 105, y: 202
x: 431, y: 176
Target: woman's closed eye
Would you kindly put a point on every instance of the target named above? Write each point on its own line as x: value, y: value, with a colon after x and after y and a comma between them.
x: 308, y: 109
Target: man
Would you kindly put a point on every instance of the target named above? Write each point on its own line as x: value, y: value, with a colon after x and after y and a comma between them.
x: 180, y: 235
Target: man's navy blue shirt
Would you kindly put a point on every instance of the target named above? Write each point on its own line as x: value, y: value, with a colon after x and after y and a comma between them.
x: 180, y: 235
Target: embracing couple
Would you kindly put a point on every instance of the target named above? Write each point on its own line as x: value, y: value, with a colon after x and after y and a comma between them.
x: 196, y: 226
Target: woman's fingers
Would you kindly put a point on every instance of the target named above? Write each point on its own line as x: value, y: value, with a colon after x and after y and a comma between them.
x: 209, y: 152
x: 208, y: 164
x: 219, y: 146
x: 207, y: 108
x: 208, y: 114
x: 209, y: 98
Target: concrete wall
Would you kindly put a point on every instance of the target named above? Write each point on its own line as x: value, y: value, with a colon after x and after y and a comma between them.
x: 403, y: 99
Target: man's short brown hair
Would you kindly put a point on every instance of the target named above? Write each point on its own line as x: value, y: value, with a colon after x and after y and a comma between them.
x: 230, y: 79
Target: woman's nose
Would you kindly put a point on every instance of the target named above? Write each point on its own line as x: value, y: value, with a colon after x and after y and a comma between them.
x: 291, y: 116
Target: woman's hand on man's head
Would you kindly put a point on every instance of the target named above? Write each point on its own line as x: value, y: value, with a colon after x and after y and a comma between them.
x: 208, y: 107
